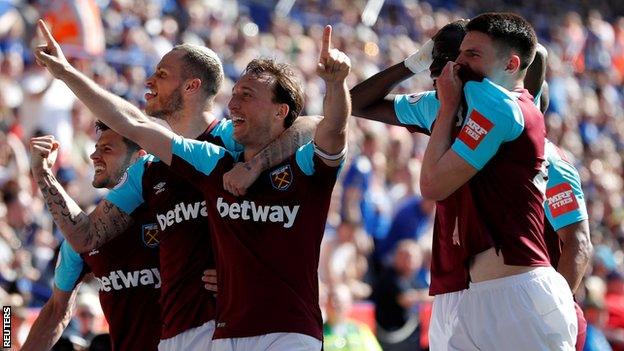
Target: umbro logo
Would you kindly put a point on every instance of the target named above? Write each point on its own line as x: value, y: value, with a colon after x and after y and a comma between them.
x: 160, y: 187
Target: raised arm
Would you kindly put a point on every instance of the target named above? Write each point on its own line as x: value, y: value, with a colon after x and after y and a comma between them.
x: 51, y: 321
x: 371, y: 98
x: 331, y: 133
x: 117, y: 113
x: 84, y: 232
x: 242, y: 175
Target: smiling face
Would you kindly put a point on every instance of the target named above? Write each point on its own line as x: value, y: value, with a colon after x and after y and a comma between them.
x: 254, y: 114
x: 111, y: 158
x: 164, y: 96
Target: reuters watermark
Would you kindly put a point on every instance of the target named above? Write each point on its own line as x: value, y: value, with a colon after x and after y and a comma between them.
x: 6, y: 327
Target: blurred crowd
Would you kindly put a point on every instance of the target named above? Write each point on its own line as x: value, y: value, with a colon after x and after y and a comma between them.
x: 375, y: 255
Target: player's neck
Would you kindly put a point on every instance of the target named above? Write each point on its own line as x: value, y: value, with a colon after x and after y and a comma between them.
x: 191, y: 125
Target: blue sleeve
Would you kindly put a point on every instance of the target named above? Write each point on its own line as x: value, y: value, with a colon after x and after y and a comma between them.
x: 565, y: 203
x: 224, y: 130
x: 494, y: 118
x: 128, y: 194
x: 417, y: 109
x: 306, y: 160
x: 202, y: 156
x: 68, y: 268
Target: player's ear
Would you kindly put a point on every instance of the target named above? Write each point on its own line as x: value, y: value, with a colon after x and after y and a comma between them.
x: 282, y: 111
x: 513, y: 64
x: 192, y: 85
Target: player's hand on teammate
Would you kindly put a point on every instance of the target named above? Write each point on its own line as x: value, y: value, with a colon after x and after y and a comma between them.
x: 239, y: 179
x: 449, y: 86
x: 49, y: 55
x: 333, y: 65
x: 43, y: 152
x: 210, y: 280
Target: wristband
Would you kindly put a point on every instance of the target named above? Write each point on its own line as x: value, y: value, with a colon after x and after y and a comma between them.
x: 420, y: 61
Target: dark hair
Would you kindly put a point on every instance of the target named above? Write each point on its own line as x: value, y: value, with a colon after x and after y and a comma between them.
x: 287, y: 87
x: 131, y: 145
x: 203, y: 63
x: 446, y: 43
x: 509, y: 31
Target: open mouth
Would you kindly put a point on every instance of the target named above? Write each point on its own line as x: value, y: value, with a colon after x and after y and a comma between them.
x: 150, y: 95
x: 99, y: 169
x: 237, y: 121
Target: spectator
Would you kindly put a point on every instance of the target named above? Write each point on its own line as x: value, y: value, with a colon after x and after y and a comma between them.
x: 339, y: 331
x: 398, y: 295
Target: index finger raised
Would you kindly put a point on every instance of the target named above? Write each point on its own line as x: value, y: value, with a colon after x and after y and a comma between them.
x: 43, y: 28
x: 326, y: 43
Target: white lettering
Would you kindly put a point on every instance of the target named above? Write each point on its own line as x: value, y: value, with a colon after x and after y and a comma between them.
x: 130, y: 280
x: 259, y: 213
x: 181, y: 212
x: 105, y: 283
x: 143, y: 277
x: 291, y: 214
x: 275, y: 214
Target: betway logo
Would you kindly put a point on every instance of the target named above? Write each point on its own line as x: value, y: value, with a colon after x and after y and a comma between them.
x: 249, y: 211
x: 181, y: 212
x: 118, y: 280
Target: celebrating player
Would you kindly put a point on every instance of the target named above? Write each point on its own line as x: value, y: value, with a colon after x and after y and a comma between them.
x: 126, y: 267
x: 181, y: 91
x: 267, y: 242
x: 417, y: 112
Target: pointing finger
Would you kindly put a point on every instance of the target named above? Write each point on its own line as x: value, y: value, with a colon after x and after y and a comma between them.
x: 326, y: 43
x: 45, y: 32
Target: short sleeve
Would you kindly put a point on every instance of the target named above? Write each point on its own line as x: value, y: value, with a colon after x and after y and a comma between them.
x: 494, y: 117
x: 68, y: 268
x: 418, y: 110
x: 308, y: 163
x: 128, y: 194
x: 194, y: 159
x: 565, y: 202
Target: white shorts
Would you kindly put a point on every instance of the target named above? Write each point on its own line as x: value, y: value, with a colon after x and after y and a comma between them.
x: 196, y: 339
x: 529, y: 311
x: 443, y: 319
x: 269, y: 342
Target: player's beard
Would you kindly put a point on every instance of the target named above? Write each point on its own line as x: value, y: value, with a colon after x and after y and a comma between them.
x: 169, y: 110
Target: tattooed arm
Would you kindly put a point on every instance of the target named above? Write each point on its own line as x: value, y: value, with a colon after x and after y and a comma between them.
x: 242, y: 175
x: 84, y: 232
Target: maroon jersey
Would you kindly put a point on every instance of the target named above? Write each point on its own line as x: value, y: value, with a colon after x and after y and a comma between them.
x: 267, y: 242
x: 128, y: 274
x: 503, y: 138
x: 186, y: 251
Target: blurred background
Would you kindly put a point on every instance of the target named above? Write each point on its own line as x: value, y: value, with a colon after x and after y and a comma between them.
x: 375, y: 255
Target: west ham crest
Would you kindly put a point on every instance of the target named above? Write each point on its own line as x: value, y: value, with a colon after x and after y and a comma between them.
x: 281, y: 178
x: 150, y: 234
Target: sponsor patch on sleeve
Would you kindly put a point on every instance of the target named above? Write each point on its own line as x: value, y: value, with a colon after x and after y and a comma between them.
x: 475, y: 129
x: 561, y: 199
